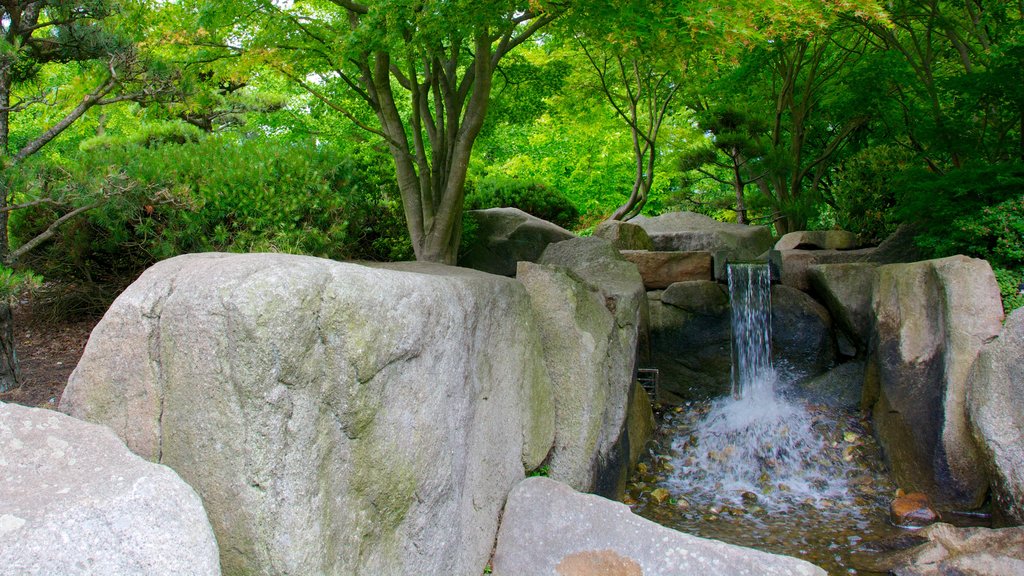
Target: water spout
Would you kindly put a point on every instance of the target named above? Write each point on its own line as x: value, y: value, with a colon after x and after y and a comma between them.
x: 751, y: 301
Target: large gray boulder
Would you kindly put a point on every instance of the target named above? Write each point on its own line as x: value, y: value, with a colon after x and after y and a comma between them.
x: 692, y: 232
x: 335, y: 418
x: 660, y: 270
x: 818, y: 240
x: 591, y: 306
x: 74, y: 500
x: 624, y: 235
x: 845, y: 289
x: 548, y: 529
x: 796, y: 265
x: 691, y: 333
x: 946, y: 550
x: 505, y: 236
x: 931, y: 320
x: 996, y: 408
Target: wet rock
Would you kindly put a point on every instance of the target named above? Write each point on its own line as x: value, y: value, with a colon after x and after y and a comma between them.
x: 802, y: 342
x: 996, y: 409
x: 690, y: 232
x: 912, y: 510
x: 818, y: 240
x: 947, y: 550
x: 506, y: 236
x: 75, y: 501
x: 624, y: 235
x: 841, y: 387
x: 546, y: 526
x: 931, y: 320
x: 845, y: 289
x: 662, y: 269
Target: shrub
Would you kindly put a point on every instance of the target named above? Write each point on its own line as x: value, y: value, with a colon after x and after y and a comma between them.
x: 529, y: 196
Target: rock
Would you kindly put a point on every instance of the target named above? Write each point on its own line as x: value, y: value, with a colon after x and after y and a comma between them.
x: 335, y: 418
x: 845, y: 289
x: 818, y: 240
x: 802, y: 341
x: 698, y: 297
x: 662, y: 269
x: 899, y: 247
x: 996, y: 409
x: 691, y: 334
x: 505, y: 236
x: 841, y: 387
x: 549, y: 529
x: 947, y: 550
x: 75, y: 500
x: 607, y: 341
x: 692, y: 232
x: 796, y: 264
x: 912, y: 511
x: 931, y: 320
x: 624, y: 235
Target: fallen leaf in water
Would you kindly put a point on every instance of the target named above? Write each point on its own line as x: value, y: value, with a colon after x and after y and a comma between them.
x: 851, y: 437
x: 660, y: 495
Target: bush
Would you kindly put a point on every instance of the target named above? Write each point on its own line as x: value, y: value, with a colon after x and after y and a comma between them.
x: 213, y: 194
x: 529, y: 196
x: 864, y: 197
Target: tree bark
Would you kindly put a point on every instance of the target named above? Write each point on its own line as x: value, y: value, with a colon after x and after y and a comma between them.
x: 9, y: 372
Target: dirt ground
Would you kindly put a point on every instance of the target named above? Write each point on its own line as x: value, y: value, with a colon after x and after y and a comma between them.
x: 48, y: 350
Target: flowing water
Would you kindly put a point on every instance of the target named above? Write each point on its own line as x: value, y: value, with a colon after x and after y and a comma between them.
x: 760, y: 469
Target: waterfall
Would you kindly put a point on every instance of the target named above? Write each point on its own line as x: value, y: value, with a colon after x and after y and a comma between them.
x: 751, y: 301
x: 754, y: 443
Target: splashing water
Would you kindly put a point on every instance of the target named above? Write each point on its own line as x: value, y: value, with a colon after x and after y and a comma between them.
x: 755, y: 446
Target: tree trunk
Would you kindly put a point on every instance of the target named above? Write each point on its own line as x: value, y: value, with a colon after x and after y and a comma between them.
x: 9, y: 372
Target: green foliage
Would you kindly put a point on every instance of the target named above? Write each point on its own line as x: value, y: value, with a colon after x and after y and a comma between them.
x: 977, y: 211
x: 14, y: 282
x: 530, y: 196
x: 542, y: 470
x: 214, y: 194
x: 1011, y: 287
x: 864, y: 194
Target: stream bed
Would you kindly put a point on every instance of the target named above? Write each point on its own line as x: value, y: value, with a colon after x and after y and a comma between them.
x: 800, y: 479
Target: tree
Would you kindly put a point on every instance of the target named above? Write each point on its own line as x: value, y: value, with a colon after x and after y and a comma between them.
x: 35, y: 35
x: 423, y: 68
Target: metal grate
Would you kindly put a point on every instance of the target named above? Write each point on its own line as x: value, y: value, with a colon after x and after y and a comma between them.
x: 648, y: 378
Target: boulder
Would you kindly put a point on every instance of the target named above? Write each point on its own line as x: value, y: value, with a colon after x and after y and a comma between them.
x: 942, y: 550
x: 912, y: 511
x: 796, y: 264
x: 578, y: 334
x: 660, y: 270
x: 335, y: 418
x: 624, y: 235
x: 691, y: 339
x: 802, y: 342
x: 74, y: 500
x: 547, y: 528
x: 899, y: 247
x: 845, y: 289
x: 505, y: 236
x: 692, y: 232
x: 841, y: 387
x: 995, y: 400
x: 583, y: 276
x: 931, y: 320
x: 818, y: 240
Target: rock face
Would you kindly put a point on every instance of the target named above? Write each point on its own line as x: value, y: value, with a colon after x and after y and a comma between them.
x: 623, y: 235
x: 996, y: 409
x: 505, y: 236
x: 692, y: 232
x: 335, y: 418
x: 947, y: 550
x: 796, y: 264
x: 931, y: 320
x: 549, y: 529
x: 591, y: 307
x: 660, y: 270
x: 841, y: 387
x: 74, y: 500
x: 845, y: 289
x: 818, y: 240
x: 691, y: 331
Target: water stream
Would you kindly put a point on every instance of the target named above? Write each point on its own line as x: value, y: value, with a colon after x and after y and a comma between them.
x: 759, y: 468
